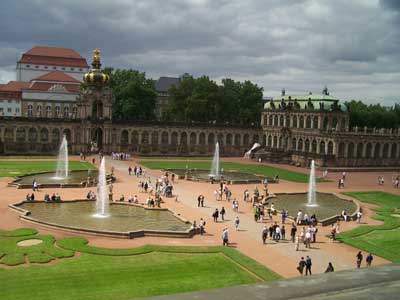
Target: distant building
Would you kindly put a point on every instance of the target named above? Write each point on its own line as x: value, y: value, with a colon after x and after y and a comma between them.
x: 162, y: 86
x: 42, y: 59
x: 10, y: 98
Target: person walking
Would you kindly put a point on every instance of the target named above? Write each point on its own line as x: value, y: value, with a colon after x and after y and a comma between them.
x: 293, y: 231
x: 300, y: 267
x: 369, y: 260
x: 202, y: 224
x: 283, y: 232
x: 215, y: 215
x: 297, y: 243
x: 359, y: 257
x: 225, y: 239
x: 202, y: 201
x: 359, y: 215
x: 237, y: 221
x: 222, y: 213
x: 307, y: 240
x: 264, y: 234
x: 283, y: 216
x: 129, y: 170
x: 308, y: 265
x: 330, y: 268
x: 199, y: 201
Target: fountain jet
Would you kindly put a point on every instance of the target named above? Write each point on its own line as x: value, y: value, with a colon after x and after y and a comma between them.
x: 214, y: 172
x: 312, y: 195
x: 102, y: 199
x: 62, y: 161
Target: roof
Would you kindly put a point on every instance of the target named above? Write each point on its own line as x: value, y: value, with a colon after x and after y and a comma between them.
x: 307, y: 102
x: 14, y: 86
x: 57, y: 76
x: 47, y: 86
x: 43, y: 55
x: 164, y: 83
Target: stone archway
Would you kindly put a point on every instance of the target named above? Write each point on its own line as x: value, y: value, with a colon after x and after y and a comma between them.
x: 97, y: 139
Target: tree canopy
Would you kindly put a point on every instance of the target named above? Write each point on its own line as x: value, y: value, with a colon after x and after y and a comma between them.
x: 202, y: 100
x: 135, y: 95
x: 373, y: 115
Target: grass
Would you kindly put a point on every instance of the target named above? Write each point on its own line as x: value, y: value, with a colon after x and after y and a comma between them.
x: 263, y: 170
x: 150, y: 270
x: 23, y: 156
x: 208, y: 158
x: 10, y: 168
x: 382, y: 240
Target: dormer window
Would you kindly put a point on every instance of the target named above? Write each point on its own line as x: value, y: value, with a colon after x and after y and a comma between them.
x: 36, y: 67
x: 28, y: 66
x: 54, y: 68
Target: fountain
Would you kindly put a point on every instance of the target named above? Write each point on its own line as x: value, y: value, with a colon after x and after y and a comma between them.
x: 215, y: 171
x: 62, y: 161
x: 312, y: 195
x: 248, y: 153
x: 102, y: 198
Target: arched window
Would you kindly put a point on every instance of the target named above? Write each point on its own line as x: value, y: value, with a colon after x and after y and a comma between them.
x: 350, y: 151
x: 32, y: 135
x: 48, y: 111
x: 270, y: 120
x: 295, y: 125
x: 315, y: 122
x: 301, y: 125
x: 307, y: 146
x: 368, y: 151
x: 281, y: 121
x: 154, y: 137
x: 9, y: 134
x: 255, y: 138
x: 211, y: 139
x: 30, y: 110
x: 275, y: 145
x: 334, y: 123
x: 322, y: 147
x: 377, y: 150
x: 202, y: 138
x: 174, y: 138
x: 385, y: 152
x: 124, y: 137
x: 145, y: 137
x: 246, y: 139
x: 269, y: 143
x: 330, y: 148
x: 44, y: 135
x: 39, y: 110
x: 341, y: 150
x: 325, y: 123
x: 294, y: 144
x: 193, y: 138
x: 66, y: 111
x: 276, y: 120
x: 55, y: 136
x: 134, y: 137
x: 360, y: 150
x: 164, y: 137
x: 308, y: 122
x: 343, y: 124
x: 67, y: 133
x: 393, y: 153
x: 314, y: 146
x: 264, y: 143
x: 220, y: 138
x: 287, y: 121
x: 237, y: 139
x: 57, y: 111
x: 280, y: 142
x: 184, y: 140
x: 300, y: 145
x: 74, y: 112
x: 21, y: 134
x: 229, y: 139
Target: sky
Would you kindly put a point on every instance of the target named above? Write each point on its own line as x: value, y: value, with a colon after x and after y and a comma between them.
x: 352, y: 46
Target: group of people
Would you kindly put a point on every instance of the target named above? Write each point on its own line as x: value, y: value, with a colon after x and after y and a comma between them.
x: 305, y: 219
x: 120, y: 156
x: 136, y: 171
x: 54, y: 198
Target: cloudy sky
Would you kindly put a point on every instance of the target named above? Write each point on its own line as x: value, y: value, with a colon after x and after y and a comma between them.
x: 352, y: 46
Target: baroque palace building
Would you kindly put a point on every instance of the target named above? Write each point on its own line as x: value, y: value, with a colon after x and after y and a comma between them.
x: 91, y: 126
x: 301, y: 128
x: 41, y: 106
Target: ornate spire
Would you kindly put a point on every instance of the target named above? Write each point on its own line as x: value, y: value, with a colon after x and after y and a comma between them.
x: 96, y: 59
x: 95, y: 76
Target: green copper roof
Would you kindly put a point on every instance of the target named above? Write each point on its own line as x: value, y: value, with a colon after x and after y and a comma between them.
x: 307, y: 102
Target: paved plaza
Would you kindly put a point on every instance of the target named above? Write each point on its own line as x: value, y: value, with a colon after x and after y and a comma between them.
x: 280, y: 257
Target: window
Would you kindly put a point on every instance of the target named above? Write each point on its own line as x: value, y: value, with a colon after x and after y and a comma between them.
x: 30, y: 110
x: 54, y: 68
x: 36, y: 67
x: 48, y: 111
x: 39, y: 110
x: 66, y: 111
x: 1, y: 110
x: 28, y: 66
x: 57, y: 113
x: 17, y: 110
x: 74, y: 111
x: 80, y: 69
x: 62, y: 68
x: 72, y: 69
x: 9, y: 109
x: 46, y: 67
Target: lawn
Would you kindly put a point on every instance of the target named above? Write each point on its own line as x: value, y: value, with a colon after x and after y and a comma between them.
x: 382, y: 240
x: 263, y: 170
x: 11, y: 168
x: 104, y: 273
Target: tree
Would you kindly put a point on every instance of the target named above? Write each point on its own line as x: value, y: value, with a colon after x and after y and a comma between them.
x: 135, y: 95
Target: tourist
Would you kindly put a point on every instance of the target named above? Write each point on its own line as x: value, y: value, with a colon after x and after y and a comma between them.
x: 224, y: 237
x: 216, y: 195
x: 235, y: 205
x: 314, y: 231
x: 308, y: 265
x: 302, y: 264
x: 359, y: 215
x: 277, y: 233
x: 271, y: 230
x: 122, y: 198
x: 283, y: 232
x: 135, y: 199
x: 202, y: 201
x: 129, y: 170
x: 93, y: 160
x: 33, y: 197
x: 283, y: 216
x: 198, y: 200
x: 130, y: 199
x: 369, y: 259
x: 344, y: 175
x: 307, y: 240
x: 359, y: 257
x: 293, y: 231
x: 53, y: 197
x: 237, y: 221
x: 58, y: 197
x: 47, y: 198
x: 173, y: 177
x: 35, y: 185
x: 330, y: 268
x: 302, y: 234
x: 297, y: 243
x: 299, y: 218
x: 215, y: 215
x: 28, y: 197
x: 202, y: 225
x: 333, y: 233
x: 344, y: 215
x: 222, y: 213
x: 264, y: 234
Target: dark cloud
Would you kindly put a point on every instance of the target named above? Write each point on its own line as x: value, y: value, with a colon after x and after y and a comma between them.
x: 352, y: 46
